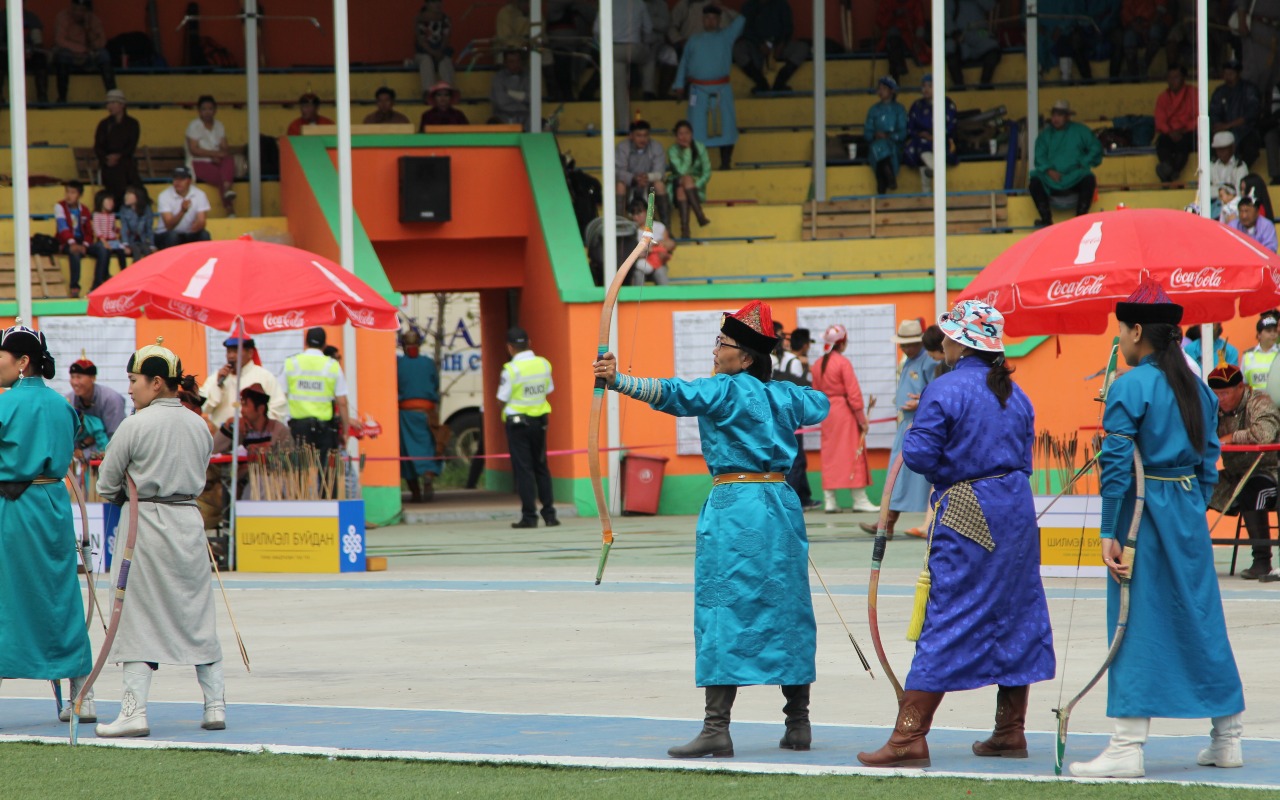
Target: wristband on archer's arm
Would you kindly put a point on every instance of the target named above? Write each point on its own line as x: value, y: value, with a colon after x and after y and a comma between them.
x: 646, y: 390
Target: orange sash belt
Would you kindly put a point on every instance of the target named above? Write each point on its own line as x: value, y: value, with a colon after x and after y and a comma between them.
x: 417, y: 404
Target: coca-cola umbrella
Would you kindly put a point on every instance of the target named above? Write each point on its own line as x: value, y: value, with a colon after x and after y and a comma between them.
x: 1066, y: 278
x: 247, y: 286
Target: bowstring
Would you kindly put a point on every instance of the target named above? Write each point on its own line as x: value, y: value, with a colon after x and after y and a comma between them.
x: 615, y: 487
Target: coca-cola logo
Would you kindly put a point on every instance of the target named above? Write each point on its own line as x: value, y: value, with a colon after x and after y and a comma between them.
x: 289, y: 319
x: 189, y: 311
x: 991, y: 299
x: 1207, y: 278
x: 117, y: 305
x: 361, y: 316
x: 1088, y: 286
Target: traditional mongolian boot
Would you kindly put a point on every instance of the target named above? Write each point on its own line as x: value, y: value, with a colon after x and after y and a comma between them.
x: 133, y: 706
x: 1008, y: 739
x: 829, y: 501
x: 684, y: 216
x: 214, y: 688
x: 889, y: 521
x: 799, y: 734
x: 861, y: 503
x: 1224, y: 747
x: 88, y: 712
x: 714, y: 740
x: 907, y: 746
x: 415, y: 490
x: 1123, y: 756
x: 695, y: 203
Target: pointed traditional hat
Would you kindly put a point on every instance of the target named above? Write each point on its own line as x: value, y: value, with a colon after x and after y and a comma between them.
x: 156, y: 361
x: 1149, y: 305
x: 749, y: 325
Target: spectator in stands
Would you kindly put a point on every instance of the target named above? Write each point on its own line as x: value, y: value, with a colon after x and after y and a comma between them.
x: 114, y: 143
x: 440, y: 111
x: 1176, y: 111
x: 432, y: 54
x: 632, y: 26
x: 690, y: 173
x: 918, y: 151
x: 137, y: 223
x: 689, y: 18
x: 885, y: 131
x: 568, y: 26
x: 705, y: 65
x: 107, y: 233
x: 641, y: 163
x: 309, y: 109
x: 1236, y: 106
x: 769, y: 31
x: 970, y: 40
x: 1228, y: 203
x: 1259, y: 39
x: 75, y: 231
x: 509, y: 92
x: 1066, y: 38
x: 654, y: 267
x: 386, y: 113
x: 1143, y: 23
x: 1270, y: 127
x: 1222, y: 349
x: 902, y: 26
x: 1225, y: 167
x: 79, y: 41
x: 511, y: 27
x: 1066, y: 153
x: 183, y: 209
x: 37, y: 60
x: 662, y: 56
x: 209, y: 155
x: 1252, y: 224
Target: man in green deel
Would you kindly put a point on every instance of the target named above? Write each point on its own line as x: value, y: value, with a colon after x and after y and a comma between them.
x: 1066, y: 153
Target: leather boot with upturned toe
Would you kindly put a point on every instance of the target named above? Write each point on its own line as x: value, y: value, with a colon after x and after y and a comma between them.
x: 714, y: 740
x: 907, y: 746
x: 133, y: 705
x: 1008, y: 739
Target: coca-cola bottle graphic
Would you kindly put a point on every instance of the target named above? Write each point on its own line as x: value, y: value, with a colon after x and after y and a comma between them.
x: 1089, y: 244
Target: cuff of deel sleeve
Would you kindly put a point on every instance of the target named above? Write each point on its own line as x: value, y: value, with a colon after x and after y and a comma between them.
x: 1110, y: 516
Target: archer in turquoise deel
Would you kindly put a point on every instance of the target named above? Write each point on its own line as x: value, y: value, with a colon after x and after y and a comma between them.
x: 42, y: 623
x: 1175, y: 659
x: 753, y: 618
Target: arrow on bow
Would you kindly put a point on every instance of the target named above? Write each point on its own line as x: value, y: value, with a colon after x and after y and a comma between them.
x: 873, y: 584
x: 1127, y: 557
x: 597, y: 400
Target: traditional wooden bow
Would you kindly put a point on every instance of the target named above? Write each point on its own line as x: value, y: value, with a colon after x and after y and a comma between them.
x: 873, y: 585
x: 77, y: 491
x: 597, y: 400
x: 122, y: 580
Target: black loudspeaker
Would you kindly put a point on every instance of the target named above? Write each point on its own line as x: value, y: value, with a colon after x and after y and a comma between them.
x: 425, y: 189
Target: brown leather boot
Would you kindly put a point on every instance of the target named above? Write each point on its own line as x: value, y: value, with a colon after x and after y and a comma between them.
x: 799, y: 735
x: 1008, y: 739
x: 683, y: 203
x: 907, y: 746
x: 696, y: 204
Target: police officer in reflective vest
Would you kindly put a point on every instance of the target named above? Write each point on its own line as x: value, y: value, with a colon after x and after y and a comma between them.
x: 1256, y: 361
x: 315, y: 385
x: 523, y: 389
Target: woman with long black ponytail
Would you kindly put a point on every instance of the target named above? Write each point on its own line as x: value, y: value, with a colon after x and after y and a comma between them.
x: 1175, y: 609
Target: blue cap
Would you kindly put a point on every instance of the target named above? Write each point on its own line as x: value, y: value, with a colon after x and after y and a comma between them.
x: 928, y: 78
x: 888, y: 80
x: 236, y: 341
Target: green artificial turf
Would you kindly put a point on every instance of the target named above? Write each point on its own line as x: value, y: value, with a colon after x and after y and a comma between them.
x: 35, y: 771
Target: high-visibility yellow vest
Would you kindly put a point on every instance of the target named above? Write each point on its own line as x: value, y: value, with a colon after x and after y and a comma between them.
x: 1256, y: 365
x: 311, y: 384
x: 530, y: 378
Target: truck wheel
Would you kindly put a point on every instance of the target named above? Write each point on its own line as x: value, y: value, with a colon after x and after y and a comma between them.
x: 467, y: 428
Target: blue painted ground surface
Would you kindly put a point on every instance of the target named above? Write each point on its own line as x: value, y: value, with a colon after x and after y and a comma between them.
x: 364, y: 729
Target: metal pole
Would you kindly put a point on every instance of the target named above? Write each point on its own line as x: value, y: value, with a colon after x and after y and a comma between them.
x: 251, y: 77
x: 346, y: 206
x: 535, y: 67
x: 939, y: 160
x: 819, y: 101
x: 18, y: 152
x: 237, y: 330
x: 1033, y: 83
x: 610, y: 245
x: 1203, y: 154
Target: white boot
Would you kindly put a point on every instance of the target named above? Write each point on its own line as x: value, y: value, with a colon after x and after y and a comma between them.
x: 861, y: 503
x: 215, y: 704
x: 88, y: 712
x: 829, y: 501
x: 926, y: 173
x: 1224, y: 746
x: 1064, y: 66
x: 133, y: 706
x: 1123, y: 756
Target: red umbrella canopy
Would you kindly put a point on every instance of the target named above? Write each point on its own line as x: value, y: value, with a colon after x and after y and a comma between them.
x: 270, y: 286
x: 1067, y: 278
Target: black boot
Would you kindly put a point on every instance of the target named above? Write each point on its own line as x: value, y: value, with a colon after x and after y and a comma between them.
x: 415, y: 490
x: 799, y: 735
x: 757, y: 77
x: 696, y: 204
x: 784, y: 75
x: 662, y: 208
x: 1045, y: 211
x: 684, y: 216
x: 714, y: 740
x: 726, y: 157
x: 881, y: 184
x: 63, y: 80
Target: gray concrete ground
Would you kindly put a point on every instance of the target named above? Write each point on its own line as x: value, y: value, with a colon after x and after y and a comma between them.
x: 477, y: 616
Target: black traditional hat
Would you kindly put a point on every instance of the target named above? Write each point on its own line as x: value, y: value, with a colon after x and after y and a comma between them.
x: 23, y: 341
x: 1149, y: 305
x: 748, y: 327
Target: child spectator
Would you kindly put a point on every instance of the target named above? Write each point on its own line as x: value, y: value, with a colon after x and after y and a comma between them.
x: 75, y: 231
x: 1229, y: 202
x: 440, y: 111
x: 432, y: 54
x: 654, y: 267
x: 137, y: 224
x: 107, y: 232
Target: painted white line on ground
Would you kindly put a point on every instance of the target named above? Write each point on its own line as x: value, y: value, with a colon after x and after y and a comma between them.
x: 590, y: 762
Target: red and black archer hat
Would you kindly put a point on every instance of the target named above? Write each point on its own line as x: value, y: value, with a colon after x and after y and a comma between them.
x: 751, y: 327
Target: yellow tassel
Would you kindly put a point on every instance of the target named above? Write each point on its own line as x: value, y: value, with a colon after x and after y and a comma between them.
x: 917, y: 612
